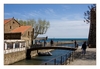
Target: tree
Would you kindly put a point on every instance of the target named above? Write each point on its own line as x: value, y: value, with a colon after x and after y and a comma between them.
x: 87, y: 14
x: 40, y: 26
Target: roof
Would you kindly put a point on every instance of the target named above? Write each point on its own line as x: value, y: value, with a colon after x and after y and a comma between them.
x: 21, y: 29
x: 7, y: 20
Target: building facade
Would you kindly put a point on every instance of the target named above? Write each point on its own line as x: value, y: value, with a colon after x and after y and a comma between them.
x: 14, y: 31
x: 10, y: 24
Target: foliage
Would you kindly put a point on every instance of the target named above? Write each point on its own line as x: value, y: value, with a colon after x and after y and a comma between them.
x: 40, y: 26
x: 88, y: 12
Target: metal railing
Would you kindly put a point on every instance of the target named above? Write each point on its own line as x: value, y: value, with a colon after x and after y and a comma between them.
x: 61, y: 60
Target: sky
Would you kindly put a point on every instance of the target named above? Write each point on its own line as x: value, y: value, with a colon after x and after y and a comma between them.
x: 66, y: 20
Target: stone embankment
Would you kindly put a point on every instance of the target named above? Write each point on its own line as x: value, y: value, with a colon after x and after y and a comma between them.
x: 10, y: 58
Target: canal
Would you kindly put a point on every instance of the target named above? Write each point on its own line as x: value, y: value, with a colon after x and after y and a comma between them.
x: 38, y: 60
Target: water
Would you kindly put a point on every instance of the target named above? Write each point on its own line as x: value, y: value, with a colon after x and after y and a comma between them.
x: 65, y: 39
x: 38, y: 60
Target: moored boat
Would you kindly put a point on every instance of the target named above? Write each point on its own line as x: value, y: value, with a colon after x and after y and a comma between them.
x: 44, y: 54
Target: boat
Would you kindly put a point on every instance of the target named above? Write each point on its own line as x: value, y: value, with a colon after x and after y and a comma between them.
x: 44, y: 54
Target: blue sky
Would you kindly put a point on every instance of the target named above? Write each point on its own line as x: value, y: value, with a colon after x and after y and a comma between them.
x: 66, y: 20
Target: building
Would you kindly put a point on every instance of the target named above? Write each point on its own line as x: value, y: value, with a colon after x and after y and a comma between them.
x: 92, y: 31
x: 14, y: 31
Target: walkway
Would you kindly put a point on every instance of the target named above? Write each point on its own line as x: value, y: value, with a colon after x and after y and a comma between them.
x: 88, y: 59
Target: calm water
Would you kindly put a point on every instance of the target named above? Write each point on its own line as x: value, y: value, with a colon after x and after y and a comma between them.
x: 38, y: 60
x: 65, y: 39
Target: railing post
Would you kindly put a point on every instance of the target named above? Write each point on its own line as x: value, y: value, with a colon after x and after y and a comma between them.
x: 66, y: 59
x: 63, y: 62
x: 61, y: 59
x: 72, y: 56
x: 55, y: 61
x: 69, y: 57
x: 69, y: 60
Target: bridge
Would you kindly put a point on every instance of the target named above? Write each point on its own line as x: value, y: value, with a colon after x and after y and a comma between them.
x: 53, y: 47
x: 28, y: 52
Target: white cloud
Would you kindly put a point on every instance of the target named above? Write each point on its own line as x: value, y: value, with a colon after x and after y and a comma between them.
x: 50, y: 12
x: 65, y: 6
x: 16, y: 13
x: 6, y: 14
x: 67, y: 29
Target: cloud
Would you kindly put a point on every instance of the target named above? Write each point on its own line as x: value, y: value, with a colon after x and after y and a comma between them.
x: 65, y: 6
x: 24, y: 15
x: 67, y: 29
x: 7, y: 14
x: 47, y: 13
x: 50, y: 12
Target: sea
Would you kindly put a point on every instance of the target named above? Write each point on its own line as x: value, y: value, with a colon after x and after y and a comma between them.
x: 66, y: 39
x: 78, y: 40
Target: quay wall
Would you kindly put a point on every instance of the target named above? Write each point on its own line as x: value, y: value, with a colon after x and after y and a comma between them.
x: 13, y: 57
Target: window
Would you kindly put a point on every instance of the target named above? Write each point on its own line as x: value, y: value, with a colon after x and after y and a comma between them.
x: 28, y: 33
x: 9, y: 45
x: 16, y: 45
x: 10, y: 27
x: 13, y: 22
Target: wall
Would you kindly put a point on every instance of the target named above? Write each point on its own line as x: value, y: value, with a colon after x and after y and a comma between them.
x: 14, y: 57
x: 28, y: 36
x: 17, y: 56
x: 92, y: 31
x: 13, y: 23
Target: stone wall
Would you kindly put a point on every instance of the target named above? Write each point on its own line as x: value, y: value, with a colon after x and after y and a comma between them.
x: 17, y: 56
x: 14, y: 57
x: 12, y: 24
x: 28, y: 36
x: 92, y: 31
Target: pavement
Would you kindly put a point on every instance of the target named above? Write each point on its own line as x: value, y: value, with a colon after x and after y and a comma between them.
x: 88, y: 59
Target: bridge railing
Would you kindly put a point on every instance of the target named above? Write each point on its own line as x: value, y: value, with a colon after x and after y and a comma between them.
x: 61, y: 60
